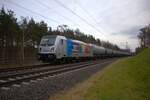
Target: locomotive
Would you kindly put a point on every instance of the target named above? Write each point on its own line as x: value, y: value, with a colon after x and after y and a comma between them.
x: 56, y: 47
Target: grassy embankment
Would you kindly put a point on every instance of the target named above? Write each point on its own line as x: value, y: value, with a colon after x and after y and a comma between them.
x: 126, y: 79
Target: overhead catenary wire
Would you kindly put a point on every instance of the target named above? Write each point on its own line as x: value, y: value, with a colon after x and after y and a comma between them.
x: 31, y: 11
x: 87, y: 12
x: 89, y: 15
x: 65, y: 17
x: 74, y: 13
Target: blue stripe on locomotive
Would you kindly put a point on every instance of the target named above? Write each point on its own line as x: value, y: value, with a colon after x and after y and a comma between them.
x: 69, y: 47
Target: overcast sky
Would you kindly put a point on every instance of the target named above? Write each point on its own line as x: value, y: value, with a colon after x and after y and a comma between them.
x: 117, y: 21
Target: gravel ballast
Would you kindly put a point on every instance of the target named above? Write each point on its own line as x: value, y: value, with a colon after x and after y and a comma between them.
x: 41, y: 89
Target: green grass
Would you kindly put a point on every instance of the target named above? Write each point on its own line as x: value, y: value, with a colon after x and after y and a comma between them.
x: 126, y: 79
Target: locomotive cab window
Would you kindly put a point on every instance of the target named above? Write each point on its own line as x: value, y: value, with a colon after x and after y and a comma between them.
x: 48, y: 41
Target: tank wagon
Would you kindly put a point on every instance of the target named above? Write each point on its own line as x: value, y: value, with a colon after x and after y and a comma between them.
x: 56, y: 47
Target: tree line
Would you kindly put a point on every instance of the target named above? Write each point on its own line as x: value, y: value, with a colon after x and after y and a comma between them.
x: 144, y: 36
x: 28, y: 32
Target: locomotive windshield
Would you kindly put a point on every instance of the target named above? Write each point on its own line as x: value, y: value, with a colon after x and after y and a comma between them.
x: 48, y: 41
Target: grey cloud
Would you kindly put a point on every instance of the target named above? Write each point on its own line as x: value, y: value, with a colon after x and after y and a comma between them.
x: 132, y: 30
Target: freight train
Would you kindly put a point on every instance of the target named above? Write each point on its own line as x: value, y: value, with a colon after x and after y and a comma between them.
x: 56, y: 47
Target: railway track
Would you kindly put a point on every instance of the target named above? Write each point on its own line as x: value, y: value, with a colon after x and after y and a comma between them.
x: 27, y: 75
x: 7, y: 71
